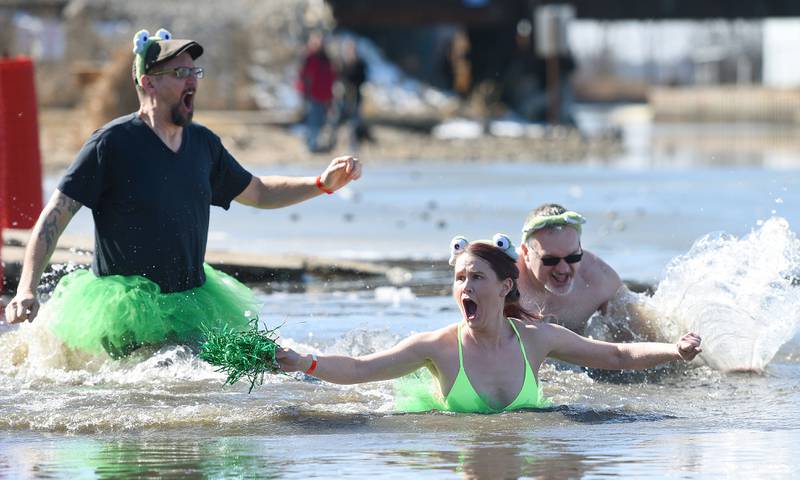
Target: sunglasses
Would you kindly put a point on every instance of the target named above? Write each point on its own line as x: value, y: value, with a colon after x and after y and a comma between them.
x: 182, y: 72
x: 553, y: 261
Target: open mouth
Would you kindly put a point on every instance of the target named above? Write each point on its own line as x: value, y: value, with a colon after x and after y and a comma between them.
x: 559, y: 284
x: 561, y: 279
x: 470, y: 308
x: 188, y: 100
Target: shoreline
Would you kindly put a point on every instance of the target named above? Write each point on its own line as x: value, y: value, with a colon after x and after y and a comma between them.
x: 76, y: 251
x: 295, y: 272
x: 261, y: 138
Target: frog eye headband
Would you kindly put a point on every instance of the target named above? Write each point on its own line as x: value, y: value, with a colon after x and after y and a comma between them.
x: 458, y: 245
x: 568, y: 219
x: 141, y: 42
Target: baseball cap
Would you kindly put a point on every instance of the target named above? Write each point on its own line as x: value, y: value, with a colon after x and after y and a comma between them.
x: 163, y: 50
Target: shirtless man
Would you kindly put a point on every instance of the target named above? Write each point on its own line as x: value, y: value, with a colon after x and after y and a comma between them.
x: 561, y: 280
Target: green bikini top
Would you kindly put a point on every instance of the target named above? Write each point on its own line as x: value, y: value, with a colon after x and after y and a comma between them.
x: 464, y: 399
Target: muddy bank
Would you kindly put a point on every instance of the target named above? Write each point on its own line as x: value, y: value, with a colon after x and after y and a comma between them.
x: 268, y: 272
x: 259, y: 138
x: 725, y: 104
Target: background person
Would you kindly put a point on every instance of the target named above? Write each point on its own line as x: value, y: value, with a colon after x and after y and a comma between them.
x: 315, y: 83
x: 352, y: 74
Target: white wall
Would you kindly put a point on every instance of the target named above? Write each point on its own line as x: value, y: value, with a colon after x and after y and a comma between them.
x: 781, y: 51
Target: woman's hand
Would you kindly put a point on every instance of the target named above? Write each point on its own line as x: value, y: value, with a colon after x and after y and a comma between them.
x: 292, y: 361
x: 689, y: 346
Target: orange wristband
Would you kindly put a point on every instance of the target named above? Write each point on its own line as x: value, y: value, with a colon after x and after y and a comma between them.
x: 313, y: 364
x: 321, y: 186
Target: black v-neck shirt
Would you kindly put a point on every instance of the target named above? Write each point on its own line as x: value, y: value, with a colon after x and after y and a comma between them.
x: 150, y: 204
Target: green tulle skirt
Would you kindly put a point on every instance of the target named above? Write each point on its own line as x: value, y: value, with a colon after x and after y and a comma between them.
x: 119, y: 314
x: 417, y: 392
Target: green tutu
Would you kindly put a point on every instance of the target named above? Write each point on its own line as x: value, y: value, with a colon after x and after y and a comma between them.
x: 417, y: 392
x: 119, y: 314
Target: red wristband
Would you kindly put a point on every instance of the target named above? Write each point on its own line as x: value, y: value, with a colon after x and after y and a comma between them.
x: 313, y: 365
x: 321, y: 186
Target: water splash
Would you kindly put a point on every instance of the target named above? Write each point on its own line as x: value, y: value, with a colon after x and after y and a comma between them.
x: 740, y: 294
x: 31, y: 353
x: 47, y: 386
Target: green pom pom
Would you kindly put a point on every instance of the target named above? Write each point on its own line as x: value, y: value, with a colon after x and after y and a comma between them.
x: 249, y: 354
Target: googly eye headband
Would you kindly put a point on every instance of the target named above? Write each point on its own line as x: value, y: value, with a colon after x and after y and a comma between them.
x: 566, y: 219
x: 141, y: 42
x: 459, y: 244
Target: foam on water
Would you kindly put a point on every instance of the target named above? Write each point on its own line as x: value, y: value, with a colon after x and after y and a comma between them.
x: 740, y: 294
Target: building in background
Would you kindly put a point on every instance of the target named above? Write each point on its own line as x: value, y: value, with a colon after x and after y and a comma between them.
x: 482, y: 50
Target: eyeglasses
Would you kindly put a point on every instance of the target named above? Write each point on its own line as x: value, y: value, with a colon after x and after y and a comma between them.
x: 550, y: 261
x: 182, y: 72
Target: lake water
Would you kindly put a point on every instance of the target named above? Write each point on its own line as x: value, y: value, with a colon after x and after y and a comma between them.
x: 166, y: 414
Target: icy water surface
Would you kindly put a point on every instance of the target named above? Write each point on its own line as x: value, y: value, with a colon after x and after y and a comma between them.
x: 166, y: 414
x: 639, y: 218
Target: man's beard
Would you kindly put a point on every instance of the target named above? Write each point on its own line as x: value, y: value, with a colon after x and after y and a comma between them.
x: 562, y: 291
x: 178, y: 118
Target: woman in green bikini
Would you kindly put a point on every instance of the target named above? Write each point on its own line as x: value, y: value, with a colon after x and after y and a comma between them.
x: 489, y: 361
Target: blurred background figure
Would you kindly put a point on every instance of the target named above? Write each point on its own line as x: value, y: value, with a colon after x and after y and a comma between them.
x: 352, y: 73
x: 457, y: 66
x: 316, y: 85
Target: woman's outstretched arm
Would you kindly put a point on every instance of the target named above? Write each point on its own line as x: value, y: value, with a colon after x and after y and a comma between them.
x: 570, y: 347
x: 405, y: 357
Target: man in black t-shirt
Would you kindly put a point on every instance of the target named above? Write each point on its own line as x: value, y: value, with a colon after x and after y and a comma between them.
x: 150, y: 178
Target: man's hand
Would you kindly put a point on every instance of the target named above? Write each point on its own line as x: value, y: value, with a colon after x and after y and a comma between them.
x: 689, y: 346
x: 24, y: 306
x: 340, y: 172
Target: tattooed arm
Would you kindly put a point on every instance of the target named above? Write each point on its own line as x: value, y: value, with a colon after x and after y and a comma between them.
x: 53, y: 220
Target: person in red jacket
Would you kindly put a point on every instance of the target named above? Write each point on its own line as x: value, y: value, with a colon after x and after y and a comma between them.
x: 316, y: 84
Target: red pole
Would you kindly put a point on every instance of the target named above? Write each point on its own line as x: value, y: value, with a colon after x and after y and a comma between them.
x: 20, y: 161
x: 21, y: 171
x: 3, y: 176
x: 2, y: 262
